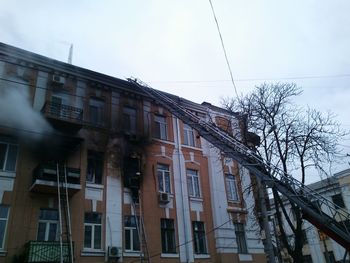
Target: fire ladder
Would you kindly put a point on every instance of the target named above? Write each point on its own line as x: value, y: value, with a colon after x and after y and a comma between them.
x: 65, y: 237
x: 318, y: 210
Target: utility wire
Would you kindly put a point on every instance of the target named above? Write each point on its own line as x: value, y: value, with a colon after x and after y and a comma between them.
x: 223, y: 48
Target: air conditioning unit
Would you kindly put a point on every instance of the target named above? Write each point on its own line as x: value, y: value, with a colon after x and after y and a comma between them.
x: 113, y: 252
x: 163, y: 198
x: 58, y: 79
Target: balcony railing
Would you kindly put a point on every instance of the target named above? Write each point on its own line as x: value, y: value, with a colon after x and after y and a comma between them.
x: 47, y: 251
x: 45, y: 178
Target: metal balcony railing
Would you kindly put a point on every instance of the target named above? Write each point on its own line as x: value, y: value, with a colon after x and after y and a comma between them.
x: 46, y: 251
x: 63, y: 112
x: 48, y: 172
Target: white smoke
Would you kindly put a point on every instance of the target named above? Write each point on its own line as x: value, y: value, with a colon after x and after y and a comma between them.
x: 17, y: 113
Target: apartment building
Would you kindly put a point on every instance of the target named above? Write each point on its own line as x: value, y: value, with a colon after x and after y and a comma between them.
x: 317, y: 246
x: 93, y: 169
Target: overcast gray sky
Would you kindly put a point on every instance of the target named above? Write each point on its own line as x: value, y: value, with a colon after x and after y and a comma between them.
x: 175, y: 47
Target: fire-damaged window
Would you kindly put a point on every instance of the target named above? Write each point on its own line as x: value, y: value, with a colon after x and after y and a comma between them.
x: 93, y: 231
x: 168, y: 235
x: 129, y: 120
x: 131, y: 236
x: 199, y: 240
x: 96, y: 111
x: 48, y: 225
x: 8, y: 154
x: 163, y: 175
x: 338, y: 200
x: 160, y: 127
x: 95, y: 167
x: 4, y: 212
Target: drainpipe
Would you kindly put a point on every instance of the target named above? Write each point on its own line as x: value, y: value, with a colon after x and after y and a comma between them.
x: 178, y: 147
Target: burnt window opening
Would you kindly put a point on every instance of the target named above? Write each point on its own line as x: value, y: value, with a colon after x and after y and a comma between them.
x: 338, y: 200
x: 96, y: 111
x: 95, y: 167
x: 160, y: 127
x: 129, y: 120
x: 132, y: 176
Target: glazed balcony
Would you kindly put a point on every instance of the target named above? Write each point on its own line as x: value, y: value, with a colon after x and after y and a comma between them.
x: 63, y: 117
x: 45, y: 179
x: 46, y: 251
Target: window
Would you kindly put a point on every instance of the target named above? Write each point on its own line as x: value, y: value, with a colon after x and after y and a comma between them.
x: 193, y: 183
x: 96, y: 110
x: 330, y: 255
x: 129, y: 120
x: 160, y: 127
x: 4, y: 212
x: 163, y: 175
x: 304, y: 237
x: 188, y: 135
x: 200, y: 244
x: 168, y: 235
x: 131, y: 236
x: 92, y: 231
x: 307, y: 259
x: 240, y: 237
x: 338, y: 200
x: 8, y: 154
x: 231, y: 187
x: 48, y: 225
x: 95, y: 167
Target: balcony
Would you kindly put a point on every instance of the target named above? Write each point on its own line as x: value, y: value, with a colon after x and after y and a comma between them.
x: 46, y: 251
x: 45, y: 179
x: 63, y: 117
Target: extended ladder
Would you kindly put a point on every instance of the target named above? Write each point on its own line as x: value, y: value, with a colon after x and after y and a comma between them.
x: 66, y: 243
x: 140, y: 226
x: 318, y: 210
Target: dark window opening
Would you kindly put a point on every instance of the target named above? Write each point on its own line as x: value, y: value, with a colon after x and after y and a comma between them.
x: 129, y: 120
x: 95, y: 167
x: 168, y: 235
x: 200, y: 243
x: 338, y: 200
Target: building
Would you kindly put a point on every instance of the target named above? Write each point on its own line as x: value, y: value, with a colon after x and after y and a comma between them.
x: 317, y: 245
x: 93, y: 169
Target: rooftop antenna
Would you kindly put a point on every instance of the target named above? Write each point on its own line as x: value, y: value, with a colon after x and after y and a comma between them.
x: 70, y: 56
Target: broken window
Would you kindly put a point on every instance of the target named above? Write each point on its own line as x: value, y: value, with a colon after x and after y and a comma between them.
x: 338, y: 200
x: 95, y: 167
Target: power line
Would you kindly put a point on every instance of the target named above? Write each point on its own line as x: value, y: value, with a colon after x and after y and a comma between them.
x: 223, y: 48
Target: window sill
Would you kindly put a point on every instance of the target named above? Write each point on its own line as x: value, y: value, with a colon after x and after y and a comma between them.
x: 97, y: 186
x: 7, y: 174
x: 169, y: 255
x: 132, y: 254
x: 245, y: 257
x: 164, y: 141
x: 191, y: 147
x: 201, y: 256
x: 196, y: 199
x: 92, y: 253
x: 3, y: 253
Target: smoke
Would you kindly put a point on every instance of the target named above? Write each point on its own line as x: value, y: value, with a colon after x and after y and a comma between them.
x: 17, y: 114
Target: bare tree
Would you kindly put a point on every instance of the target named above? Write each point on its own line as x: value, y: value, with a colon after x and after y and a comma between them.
x: 292, y: 139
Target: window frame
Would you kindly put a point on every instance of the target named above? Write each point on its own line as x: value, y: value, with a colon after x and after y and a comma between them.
x: 167, y: 226
x: 231, y: 187
x: 132, y: 120
x: 131, y: 230
x: 199, y: 238
x: 189, y: 138
x: 241, y: 238
x: 97, y: 157
x: 93, y: 225
x: 193, y: 184
x: 100, y: 106
x: 166, y: 187
x: 6, y: 220
x: 8, y: 142
x: 158, y: 132
x: 48, y: 223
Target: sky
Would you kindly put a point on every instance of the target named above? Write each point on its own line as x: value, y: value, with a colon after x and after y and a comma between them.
x: 174, y: 45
